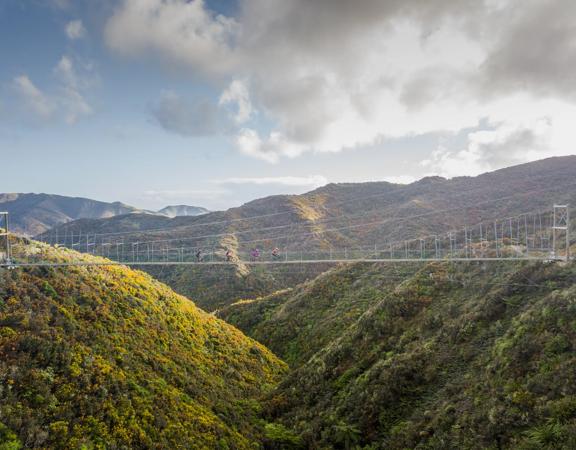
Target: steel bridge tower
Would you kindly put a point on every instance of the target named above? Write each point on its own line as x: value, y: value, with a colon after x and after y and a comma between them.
x: 561, y: 232
x: 5, y: 253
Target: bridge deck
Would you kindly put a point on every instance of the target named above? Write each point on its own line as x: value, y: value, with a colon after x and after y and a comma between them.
x: 261, y: 263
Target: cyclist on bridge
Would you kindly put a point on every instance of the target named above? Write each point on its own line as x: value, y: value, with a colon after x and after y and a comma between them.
x: 254, y: 254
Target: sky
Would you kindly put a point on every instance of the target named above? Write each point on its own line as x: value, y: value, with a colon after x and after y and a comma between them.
x: 218, y: 102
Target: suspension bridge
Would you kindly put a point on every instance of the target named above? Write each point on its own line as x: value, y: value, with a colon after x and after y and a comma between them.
x: 533, y: 236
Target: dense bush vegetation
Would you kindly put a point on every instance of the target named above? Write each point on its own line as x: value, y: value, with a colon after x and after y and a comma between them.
x: 456, y: 357
x: 110, y: 358
x: 214, y: 287
x: 296, y: 323
x: 443, y: 356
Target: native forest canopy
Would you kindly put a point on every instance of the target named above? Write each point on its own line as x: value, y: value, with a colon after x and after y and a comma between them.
x: 358, y: 355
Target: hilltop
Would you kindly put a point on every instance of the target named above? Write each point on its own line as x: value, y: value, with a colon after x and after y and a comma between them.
x: 449, y: 356
x: 107, y: 357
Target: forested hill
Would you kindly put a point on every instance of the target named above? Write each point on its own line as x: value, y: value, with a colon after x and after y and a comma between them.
x: 110, y: 358
x: 468, y: 356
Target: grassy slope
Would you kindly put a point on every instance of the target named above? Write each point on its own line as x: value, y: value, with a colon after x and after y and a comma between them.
x: 469, y: 357
x: 110, y: 358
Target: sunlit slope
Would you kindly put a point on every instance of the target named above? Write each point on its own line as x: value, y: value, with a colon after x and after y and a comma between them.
x: 110, y: 358
x: 464, y: 356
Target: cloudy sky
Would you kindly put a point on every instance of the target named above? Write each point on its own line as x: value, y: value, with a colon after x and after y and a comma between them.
x: 216, y: 102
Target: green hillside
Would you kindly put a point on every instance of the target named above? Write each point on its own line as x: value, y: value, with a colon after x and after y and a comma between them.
x: 110, y: 358
x: 214, y: 287
x: 463, y: 357
x: 296, y: 323
x: 440, y: 356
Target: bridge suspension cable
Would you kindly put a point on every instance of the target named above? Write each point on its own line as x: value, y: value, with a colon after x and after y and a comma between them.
x: 525, y: 236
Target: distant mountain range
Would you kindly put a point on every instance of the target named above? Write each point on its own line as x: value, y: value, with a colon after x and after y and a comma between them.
x: 33, y: 214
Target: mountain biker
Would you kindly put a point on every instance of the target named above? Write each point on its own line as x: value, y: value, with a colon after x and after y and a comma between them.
x: 255, y: 254
x: 199, y: 255
x: 276, y: 253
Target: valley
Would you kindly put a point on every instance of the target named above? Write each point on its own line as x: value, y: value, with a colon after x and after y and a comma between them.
x: 468, y: 356
x: 287, y: 225
x: 415, y: 354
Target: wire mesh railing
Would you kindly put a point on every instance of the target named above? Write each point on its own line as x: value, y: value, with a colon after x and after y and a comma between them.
x: 526, y: 236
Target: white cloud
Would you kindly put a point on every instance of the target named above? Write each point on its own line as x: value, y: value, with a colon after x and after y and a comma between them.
x: 75, y: 105
x: 63, y: 100
x: 505, y: 145
x: 182, y: 32
x: 313, y: 181
x: 237, y: 95
x: 250, y: 143
x: 65, y: 71
x: 75, y: 30
x: 400, y: 179
x: 170, y: 195
x: 35, y: 100
x: 331, y: 75
x: 71, y: 98
x: 200, y: 117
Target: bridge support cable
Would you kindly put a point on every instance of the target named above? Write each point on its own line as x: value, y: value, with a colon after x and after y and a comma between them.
x: 535, y: 236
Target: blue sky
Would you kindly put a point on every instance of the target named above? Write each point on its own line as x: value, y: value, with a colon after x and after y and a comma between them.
x: 156, y: 102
